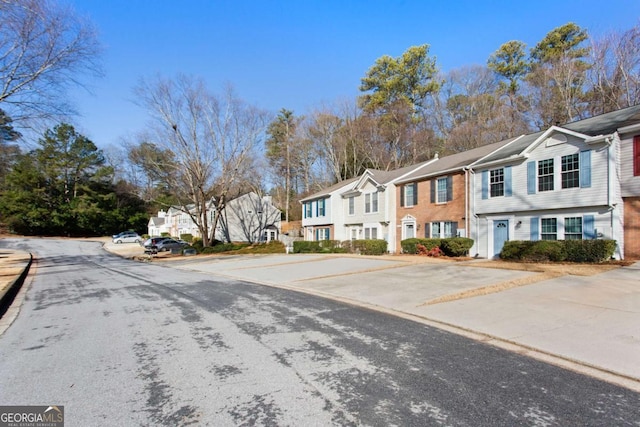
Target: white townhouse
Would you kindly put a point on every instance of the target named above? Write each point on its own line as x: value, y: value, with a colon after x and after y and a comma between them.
x: 369, y: 206
x: 322, y: 210
x: 559, y: 184
x: 247, y: 218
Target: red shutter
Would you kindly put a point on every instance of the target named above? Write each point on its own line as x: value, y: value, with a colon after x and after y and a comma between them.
x: 636, y: 155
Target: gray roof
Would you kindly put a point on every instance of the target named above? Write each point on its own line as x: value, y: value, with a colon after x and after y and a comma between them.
x: 603, y: 124
x: 157, y: 221
x: 327, y: 191
x: 385, y: 177
x: 455, y: 161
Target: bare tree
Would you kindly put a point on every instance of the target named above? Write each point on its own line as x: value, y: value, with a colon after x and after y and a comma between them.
x: 45, y: 49
x: 615, y: 73
x: 212, y: 142
x: 248, y: 216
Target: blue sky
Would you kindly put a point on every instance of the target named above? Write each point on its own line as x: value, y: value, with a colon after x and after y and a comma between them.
x: 301, y: 54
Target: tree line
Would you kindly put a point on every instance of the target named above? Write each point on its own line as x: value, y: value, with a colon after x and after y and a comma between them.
x: 205, y: 146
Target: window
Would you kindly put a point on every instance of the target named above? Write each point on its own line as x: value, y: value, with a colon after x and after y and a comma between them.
x: 573, y: 228
x: 449, y: 229
x: 307, y: 210
x: 441, y: 190
x: 321, y: 207
x: 371, y: 202
x: 409, y: 195
x: 545, y: 175
x: 497, y: 182
x: 549, y: 229
x: 443, y: 229
x: 322, y: 234
x: 570, y: 171
x: 370, y: 233
x: 435, y: 230
x: 352, y: 206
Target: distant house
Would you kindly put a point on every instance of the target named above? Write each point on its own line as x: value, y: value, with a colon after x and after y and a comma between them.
x: 559, y: 184
x: 248, y: 218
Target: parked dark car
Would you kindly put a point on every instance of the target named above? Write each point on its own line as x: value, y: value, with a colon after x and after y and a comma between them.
x: 169, y: 244
x: 153, y: 241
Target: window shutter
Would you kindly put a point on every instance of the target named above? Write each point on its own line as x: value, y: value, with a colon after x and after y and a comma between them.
x: 485, y: 185
x: 427, y: 231
x: 531, y: 177
x: 585, y: 169
x: 454, y: 229
x: 433, y: 191
x: 535, y: 229
x: 507, y: 182
x: 415, y: 193
x: 449, y: 188
x: 588, y: 227
x: 402, y: 195
x: 317, y: 234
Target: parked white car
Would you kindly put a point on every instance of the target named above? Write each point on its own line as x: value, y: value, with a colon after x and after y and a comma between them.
x: 127, y: 237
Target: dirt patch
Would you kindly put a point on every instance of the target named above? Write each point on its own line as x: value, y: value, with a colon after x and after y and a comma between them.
x: 560, y: 269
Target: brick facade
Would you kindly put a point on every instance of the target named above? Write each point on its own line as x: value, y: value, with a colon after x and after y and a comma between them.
x: 426, y: 212
x: 632, y: 227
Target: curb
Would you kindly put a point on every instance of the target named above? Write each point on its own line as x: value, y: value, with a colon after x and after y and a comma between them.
x: 9, y: 294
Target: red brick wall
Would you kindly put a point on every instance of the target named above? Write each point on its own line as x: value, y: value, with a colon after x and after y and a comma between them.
x: 425, y: 211
x: 632, y: 227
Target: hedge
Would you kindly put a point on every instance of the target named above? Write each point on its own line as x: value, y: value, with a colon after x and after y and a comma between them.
x: 558, y: 250
x: 451, y: 246
x: 363, y: 247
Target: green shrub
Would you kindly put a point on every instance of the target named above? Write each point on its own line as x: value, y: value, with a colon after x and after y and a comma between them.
x: 409, y: 245
x: 558, y: 250
x: 197, y: 244
x: 456, y: 246
x: 590, y: 250
x: 370, y: 246
x: 305, y: 247
x: 165, y: 234
x: 513, y: 250
x: 187, y: 237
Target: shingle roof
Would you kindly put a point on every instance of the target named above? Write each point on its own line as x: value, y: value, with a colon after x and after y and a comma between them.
x: 327, y: 191
x: 455, y: 161
x: 603, y: 124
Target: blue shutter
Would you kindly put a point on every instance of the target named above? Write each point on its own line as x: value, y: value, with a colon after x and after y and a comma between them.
x: 449, y: 188
x: 402, y: 190
x: 415, y: 193
x: 531, y: 177
x: 535, y: 229
x: 585, y: 169
x: 317, y: 234
x: 485, y: 184
x: 588, y: 227
x: 507, y: 182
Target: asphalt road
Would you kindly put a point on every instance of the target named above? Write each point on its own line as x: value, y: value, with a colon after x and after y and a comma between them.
x: 124, y: 343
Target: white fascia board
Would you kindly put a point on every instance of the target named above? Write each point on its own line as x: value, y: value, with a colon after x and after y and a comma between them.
x: 393, y: 181
x: 494, y: 151
x: 546, y: 135
x: 629, y: 129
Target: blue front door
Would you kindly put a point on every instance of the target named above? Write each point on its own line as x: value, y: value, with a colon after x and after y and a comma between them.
x: 500, y: 235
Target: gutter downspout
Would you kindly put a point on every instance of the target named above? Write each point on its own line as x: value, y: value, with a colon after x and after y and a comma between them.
x: 472, y: 205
